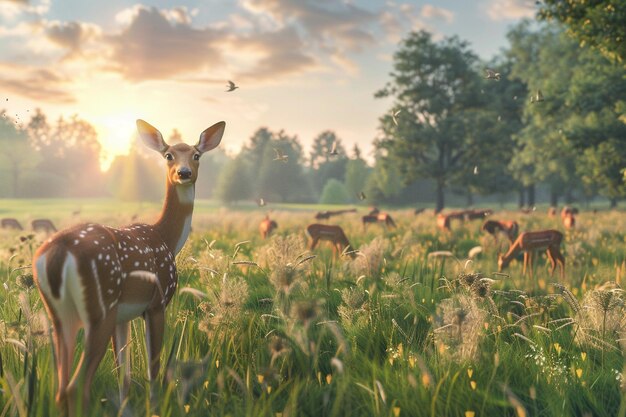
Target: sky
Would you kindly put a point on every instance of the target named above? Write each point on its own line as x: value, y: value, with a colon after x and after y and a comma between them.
x: 303, y: 66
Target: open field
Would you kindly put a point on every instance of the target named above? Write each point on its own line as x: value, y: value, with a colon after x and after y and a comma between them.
x: 265, y: 331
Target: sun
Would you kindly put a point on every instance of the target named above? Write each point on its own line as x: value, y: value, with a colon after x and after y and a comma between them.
x: 116, y: 133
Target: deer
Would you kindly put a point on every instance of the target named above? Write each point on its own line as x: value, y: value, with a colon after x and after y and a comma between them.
x: 551, y: 211
x: 444, y: 220
x: 568, y: 217
x: 530, y: 242
x: 267, y: 226
x: 381, y: 217
x: 474, y: 214
x: 324, y: 215
x: 333, y: 234
x: 43, y: 225
x: 10, y: 223
x: 100, y: 278
x: 510, y: 228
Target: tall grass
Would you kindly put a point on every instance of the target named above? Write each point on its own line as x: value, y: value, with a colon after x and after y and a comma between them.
x: 262, y: 328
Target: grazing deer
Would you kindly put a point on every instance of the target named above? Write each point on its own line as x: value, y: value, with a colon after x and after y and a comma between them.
x: 101, y: 278
x: 384, y: 218
x: 43, y: 225
x: 267, y: 226
x: 529, y: 242
x: 10, y: 223
x: 324, y: 215
x: 444, y: 220
x: 493, y: 227
x: 474, y: 214
x: 333, y: 234
x: 569, y: 221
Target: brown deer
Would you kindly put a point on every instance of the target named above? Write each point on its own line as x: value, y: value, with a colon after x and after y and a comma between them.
x: 568, y: 216
x: 474, y: 214
x: 267, y: 226
x: 551, y: 211
x: 529, y: 242
x: 444, y: 220
x: 333, y: 234
x: 325, y: 215
x: 43, y: 225
x: 509, y: 228
x: 10, y: 223
x: 381, y: 217
x: 101, y: 278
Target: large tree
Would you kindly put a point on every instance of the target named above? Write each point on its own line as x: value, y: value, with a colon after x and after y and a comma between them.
x: 435, y: 86
x: 599, y: 23
x: 17, y: 158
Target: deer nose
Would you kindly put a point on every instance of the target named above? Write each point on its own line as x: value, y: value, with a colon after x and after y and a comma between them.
x: 184, y: 173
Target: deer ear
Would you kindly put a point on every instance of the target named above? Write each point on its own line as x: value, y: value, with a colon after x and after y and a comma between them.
x: 151, y: 137
x: 211, y: 137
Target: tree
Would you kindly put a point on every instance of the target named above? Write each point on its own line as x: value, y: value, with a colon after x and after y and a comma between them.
x: 16, y: 159
x: 134, y: 177
x: 584, y: 95
x: 322, y: 144
x: 334, y: 192
x: 384, y: 183
x: 68, y: 147
x: 357, y: 173
x: 599, y: 23
x: 434, y: 85
x: 233, y: 182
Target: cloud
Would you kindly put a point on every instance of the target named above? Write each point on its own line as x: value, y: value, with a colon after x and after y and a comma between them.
x: 71, y: 35
x: 280, y: 53
x: 510, y: 9
x: 431, y: 12
x: 37, y: 83
x: 158, y: 44
x: 10, y: 9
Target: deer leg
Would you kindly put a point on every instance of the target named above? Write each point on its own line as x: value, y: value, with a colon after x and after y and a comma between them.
x: 552, y: 261
x: 155, y: 326
x: 121, y: 351
x: 525, y: 264
x: 97, y: 337
x: 313, y: 243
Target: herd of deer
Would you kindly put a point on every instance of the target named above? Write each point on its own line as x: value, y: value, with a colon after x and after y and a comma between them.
x: 100, y: 278
x: 39, y: 225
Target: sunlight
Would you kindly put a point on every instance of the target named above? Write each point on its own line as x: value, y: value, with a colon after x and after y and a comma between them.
x: 116, y: 133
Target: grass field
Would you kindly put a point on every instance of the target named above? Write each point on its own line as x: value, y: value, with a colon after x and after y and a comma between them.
x: 258, y: 329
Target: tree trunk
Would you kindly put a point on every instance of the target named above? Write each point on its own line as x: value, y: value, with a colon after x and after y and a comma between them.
x: 554, y: 198
x: 522, y: 198
x: 531, y: 195
x: 569, y: 198
x: 440, y: 200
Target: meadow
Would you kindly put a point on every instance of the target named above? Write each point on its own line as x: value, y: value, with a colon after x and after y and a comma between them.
x: 268, y: 328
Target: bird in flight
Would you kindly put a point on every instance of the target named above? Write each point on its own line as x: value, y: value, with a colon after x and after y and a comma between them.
x: 261, y: 202
x: 394, y: 117
x: 280, y: 156
x: 492, y: 75
x: 231, y: 86
x: 361, y: 196
x: 476, y: 170
x: 537, y: 98
x: 333, y: 149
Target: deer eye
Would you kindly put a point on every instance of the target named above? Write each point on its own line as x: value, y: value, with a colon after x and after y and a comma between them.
x: 169, y: 156
x: 196, y: 156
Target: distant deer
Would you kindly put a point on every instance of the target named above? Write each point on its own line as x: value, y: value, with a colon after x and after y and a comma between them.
x: 333, y: 234
x: 529, y: 243
x: 551, y: 211
x: 419, y: 211
x: 43, y: 225
x: 568, y: 216
x: 324, y: 215
x: 383, y: 218
x: 474, y: 214
x: 509, y: 228
x: 10, y: 223
x: 101, y: 278
x: 267, y: 226
x: 444, y: 220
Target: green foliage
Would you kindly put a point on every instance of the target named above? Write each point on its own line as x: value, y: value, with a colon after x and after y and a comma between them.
x: 135, y: 177
x: 234, y: 182
x: 357, y: 174
x: 334, y: 192
x: 599, y: 23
